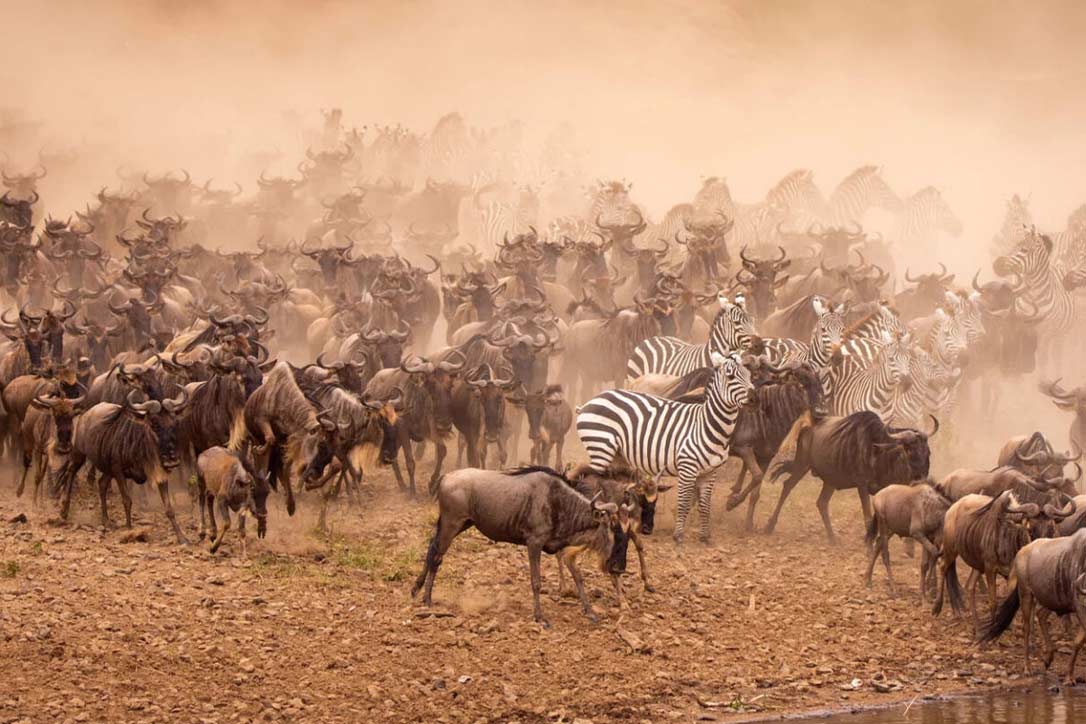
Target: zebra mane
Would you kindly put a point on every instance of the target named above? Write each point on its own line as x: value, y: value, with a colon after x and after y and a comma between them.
x: 851, y: 329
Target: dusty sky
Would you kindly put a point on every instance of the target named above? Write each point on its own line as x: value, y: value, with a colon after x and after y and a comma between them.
x: 980, y: 99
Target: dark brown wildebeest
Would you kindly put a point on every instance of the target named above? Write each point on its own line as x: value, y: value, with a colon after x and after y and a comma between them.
x: 427, y: 408
x: 533, y: 507
x: 911, y: 511
x: 132, y: 441
x: 226, y: 481
x: 857, y: 451
x: 1049, y: 575
x: 478, y: 413
x: 1034, y: 456
x: 761, y: 281
x: 288, y: 429
x: 987, y: 534
x: 1026, y: 488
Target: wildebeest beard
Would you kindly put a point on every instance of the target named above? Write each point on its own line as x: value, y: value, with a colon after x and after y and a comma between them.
x: 616, y: 561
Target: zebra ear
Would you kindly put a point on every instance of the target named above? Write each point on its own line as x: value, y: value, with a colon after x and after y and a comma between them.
x: 722, y: 300
x: 816, y: 303
x: 717, y: 359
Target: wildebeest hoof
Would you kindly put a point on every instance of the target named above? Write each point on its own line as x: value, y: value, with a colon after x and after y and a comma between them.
x: 543, y: 622
x: 593, y: 618
x: 649, y: 587
x: 733, y: 502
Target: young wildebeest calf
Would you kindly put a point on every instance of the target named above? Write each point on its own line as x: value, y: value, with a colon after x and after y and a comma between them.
x: 910, y: 511
x: 549, y: 420
x: 227, y: 483
x: 533, y: 507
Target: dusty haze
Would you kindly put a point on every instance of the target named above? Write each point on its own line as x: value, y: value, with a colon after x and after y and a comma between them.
x: 978, y: 99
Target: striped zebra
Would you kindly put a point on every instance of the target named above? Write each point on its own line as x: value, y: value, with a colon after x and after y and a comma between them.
x: 869, y: 372
x: 732, y: 331
x: 1032, y: 259
x: 928, y: 392
x: 925, y: 213
x: 659, y: 436
x: 1017, y: 220
x: 800, y: 197
x: 861, y: 190
x: 826, y: 335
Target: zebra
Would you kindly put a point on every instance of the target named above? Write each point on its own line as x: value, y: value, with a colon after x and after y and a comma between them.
x: 798, y: 194
x: 732, y: 330
x: 868, y: 374
x: 657, y: 436
x: 929, y: 390
x: 859, y: 191
x: 825, y: 337
x: 924, y: 213
x: 1032, y: 259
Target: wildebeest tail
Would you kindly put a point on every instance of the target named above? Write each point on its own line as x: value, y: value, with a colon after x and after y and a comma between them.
x: 1002, y: 618
x: 953, y: 588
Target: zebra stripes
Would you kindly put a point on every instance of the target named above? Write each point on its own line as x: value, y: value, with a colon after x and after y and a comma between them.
x: 660, y: 436
x: 1032, y: 259
x: 868, y: 374
x: 925, y: 213
x: 732, y: 330
x: 858, y: 192
x: 829, y: 326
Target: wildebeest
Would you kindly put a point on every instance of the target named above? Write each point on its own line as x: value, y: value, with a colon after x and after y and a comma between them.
x: 46, y: 432
x: 288, y: 429
x: 225, y: 482
x: 427, y: 413
x: 910, y: 511
x: 986, y: 532
x: 1049, y: 575
x: 478, y: 413
x: 857, y: 451
x: 549, y: 419
x: 133, y: 441
x: 1034, y: 456
x: 1073, y: 401
x: 533, y: 507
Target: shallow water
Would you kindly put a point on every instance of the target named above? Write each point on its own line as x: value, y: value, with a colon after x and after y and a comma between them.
x: 1035, y: 706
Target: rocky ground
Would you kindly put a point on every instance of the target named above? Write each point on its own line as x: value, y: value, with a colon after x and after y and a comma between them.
x: 314, y: 627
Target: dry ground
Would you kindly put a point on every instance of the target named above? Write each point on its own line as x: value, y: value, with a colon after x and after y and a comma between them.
x: 321, y: 628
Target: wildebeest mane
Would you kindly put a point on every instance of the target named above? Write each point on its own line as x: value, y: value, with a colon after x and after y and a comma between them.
x: 281, y: 400
x: 122, y: 442
x: 852, y: 448
x: 689, y: 383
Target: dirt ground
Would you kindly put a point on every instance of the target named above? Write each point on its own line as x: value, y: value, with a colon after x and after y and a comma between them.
x: 317, y: 627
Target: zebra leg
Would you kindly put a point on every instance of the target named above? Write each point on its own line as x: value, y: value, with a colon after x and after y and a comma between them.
x: 705, y: 504
x: 687, y: 484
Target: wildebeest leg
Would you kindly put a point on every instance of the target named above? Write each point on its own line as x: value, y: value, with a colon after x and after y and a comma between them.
x: 439, y: 459
x: 445, y: 532
x: 570, y: 561
x: 224, y: 512
x: 558, y: 461
x: 635, y: 538
x: 865, y: 503
x: 211, y: 516
x: 164, y: 493
x: 201, y: 493
x: 823, y: 505
x: 409, y: 463
x: 616, y: 580
x: 124, y: 487
x: 734, y: 498
x: 872, y: 555
x: 535, y: 552
x: 1080, y: 617
x: 786, y: 489
x: 103, y: 491
x: 40, y: 461
x: 1026, y: 608
x: 1042, y: 624
x: 22, y: 480
x: 974, y: 579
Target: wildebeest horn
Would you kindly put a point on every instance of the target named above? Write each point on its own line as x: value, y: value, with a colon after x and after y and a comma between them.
x: 449, y: 366
x: 1058, y: 514
x: 332, y: 366
x: 1053, y: 389
x: 411, y: 366
x: 1033, y: 457
x: 1030, y: 510
x: 935, y: 425
x: 177, y: 404
x: 976, y: 286
x: 909, y: 277
x: 151, y: 407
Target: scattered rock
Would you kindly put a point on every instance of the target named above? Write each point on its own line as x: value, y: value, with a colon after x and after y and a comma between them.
x: 20, y: 518
x: 136, y: 535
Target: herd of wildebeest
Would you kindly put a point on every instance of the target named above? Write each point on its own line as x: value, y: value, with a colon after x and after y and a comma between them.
x: 363, y: 312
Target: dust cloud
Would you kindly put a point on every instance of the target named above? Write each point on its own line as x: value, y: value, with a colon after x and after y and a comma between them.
x: 977, y: 99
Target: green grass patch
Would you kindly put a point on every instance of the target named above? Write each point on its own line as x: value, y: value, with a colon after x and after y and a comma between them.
x: 270, y: 565
x: 9, y: 569
x: 382, y: 561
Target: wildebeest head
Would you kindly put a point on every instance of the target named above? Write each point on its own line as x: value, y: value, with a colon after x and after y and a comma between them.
x: 1068, y: 400
x: 759, y: 276
x: 163, y: 417
x: 429, y: 397
x: 648, y: 492
x: 387, y: 346
x: 491, y: 392
x: 525, y: 352
x: 905, y: 457
x: 613, y: 534
x: 254, y: 485
x: 63, y: 411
